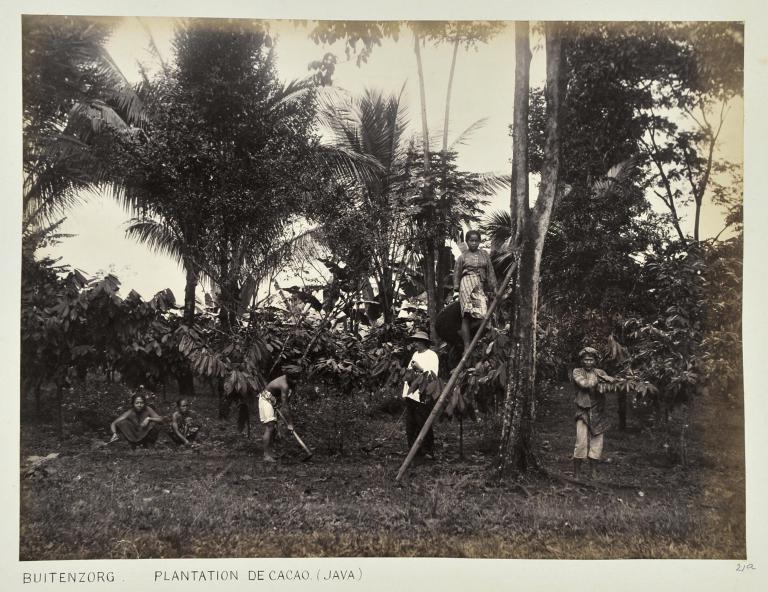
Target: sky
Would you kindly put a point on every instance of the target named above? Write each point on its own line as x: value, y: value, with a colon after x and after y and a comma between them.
x: 482, y: 90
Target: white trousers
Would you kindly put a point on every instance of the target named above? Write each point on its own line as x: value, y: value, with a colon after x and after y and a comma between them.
x: 586, y: 444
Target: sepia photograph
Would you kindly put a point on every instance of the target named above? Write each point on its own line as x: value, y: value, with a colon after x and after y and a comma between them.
x: 378, y: 289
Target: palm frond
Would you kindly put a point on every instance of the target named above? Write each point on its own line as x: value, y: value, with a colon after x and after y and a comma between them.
x: 464, y: 136
x: 497, y: 225
x: 93, y: 117
x: 491, y: 182
x: 34, y: 237
x: 347, y: 164
x: 120, y: 92
x: 153, y: 46
x: 127, y: 101
x: 291, y: 94
x: 158, y: 237
x: 616, y: 177
x: 295, y: 250
x: 372, y: 125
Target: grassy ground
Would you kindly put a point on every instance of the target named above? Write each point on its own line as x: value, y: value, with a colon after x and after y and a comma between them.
x: 219, y: 500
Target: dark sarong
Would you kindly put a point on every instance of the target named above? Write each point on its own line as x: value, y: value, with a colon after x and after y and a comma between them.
x: 132, y: 430
x: 416, y: 415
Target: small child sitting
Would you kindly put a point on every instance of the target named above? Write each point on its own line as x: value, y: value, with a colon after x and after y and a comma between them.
x: 183, y: 429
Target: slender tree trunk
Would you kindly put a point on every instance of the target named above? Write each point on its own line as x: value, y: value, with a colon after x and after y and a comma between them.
x: 423, y: 101
x: 697, y: 220
x: 367, y: 292
x: 446, y: 121
x: 670, y: 200
x: 701, y: 188
x: 520, y: 191
x: 515, y: 446
x: 519, y: 410
x: 384, y: 284
x: 441, y: 258
x: 229, y: 302
x: 185, y: 378
x: 189, y: 292
x: 428, y: 253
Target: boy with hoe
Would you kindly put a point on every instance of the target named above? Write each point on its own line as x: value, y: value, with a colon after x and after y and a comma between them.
x: 274, y: 396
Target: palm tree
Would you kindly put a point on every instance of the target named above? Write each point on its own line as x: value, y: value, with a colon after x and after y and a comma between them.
x: 165, y: 237
x: 74, y: 97
x: 373, y: 125
x: 227, y: 158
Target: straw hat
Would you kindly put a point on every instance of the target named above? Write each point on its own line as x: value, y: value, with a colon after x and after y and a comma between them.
x: 420, y: 336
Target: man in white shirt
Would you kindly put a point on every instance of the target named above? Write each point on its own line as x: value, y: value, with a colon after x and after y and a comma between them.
x: 418, y: 404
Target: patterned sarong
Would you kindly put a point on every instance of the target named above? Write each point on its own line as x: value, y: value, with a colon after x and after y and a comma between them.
x: 472, y: 297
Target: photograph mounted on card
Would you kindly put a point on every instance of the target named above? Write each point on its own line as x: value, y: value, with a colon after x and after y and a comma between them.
x: 394, y: 288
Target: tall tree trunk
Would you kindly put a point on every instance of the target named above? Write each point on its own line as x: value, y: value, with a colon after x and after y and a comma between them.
x: 386, y: 296
x: 519, y: 411
x: 423, y: 101
x: 229, y: 302
x: 189, y: 291
x: 184, y: 377
x: 514, y: 450
x: 367, y: 292
x: 697, y: 220
x: 442, y: 257
x: 428, y: 254
x: 446, y: 121
x: 519, y: 198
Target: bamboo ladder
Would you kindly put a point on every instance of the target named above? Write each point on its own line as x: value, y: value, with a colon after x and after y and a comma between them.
x: 440, y: 403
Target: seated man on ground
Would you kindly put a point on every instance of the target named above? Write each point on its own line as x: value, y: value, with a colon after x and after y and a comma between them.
x: 138, y: 425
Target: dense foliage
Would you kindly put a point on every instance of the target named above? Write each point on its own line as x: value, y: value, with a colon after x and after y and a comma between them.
x: 224, y: 168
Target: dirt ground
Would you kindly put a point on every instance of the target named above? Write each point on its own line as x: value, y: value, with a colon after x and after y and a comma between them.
x: 219, y: 500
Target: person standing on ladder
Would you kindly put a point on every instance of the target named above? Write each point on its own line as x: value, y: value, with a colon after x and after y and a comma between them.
x: 473, y: 276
